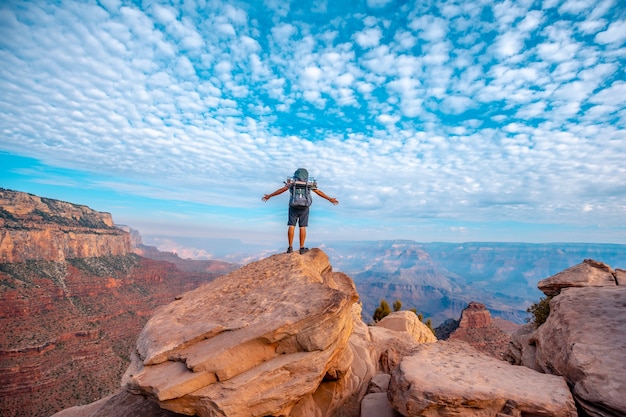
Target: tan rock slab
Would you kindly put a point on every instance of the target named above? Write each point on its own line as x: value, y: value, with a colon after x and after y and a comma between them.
x: 254, y: 342
x: 407, y: 321
x: 589, y: 273
x: 453, y: 378
x: 584, y: 339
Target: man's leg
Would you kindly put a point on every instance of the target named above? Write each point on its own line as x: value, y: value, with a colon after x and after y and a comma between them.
x: 290, y: 233
x: 302, y: 236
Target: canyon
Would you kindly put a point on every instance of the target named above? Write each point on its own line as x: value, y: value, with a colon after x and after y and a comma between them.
x: 74, y: 297
x: 93, y: 316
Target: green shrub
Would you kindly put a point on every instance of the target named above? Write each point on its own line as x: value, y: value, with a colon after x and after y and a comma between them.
x: 540, y: 311
x: 381, y: 311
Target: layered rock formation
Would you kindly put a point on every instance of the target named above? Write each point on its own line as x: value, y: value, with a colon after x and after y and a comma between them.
x: 248, y: 343
x: 37, y: 228
x: 583, y: 338
x: 73, y: 303
x: 283, y: 337
x: 477, y: 328
x: 452, y: 378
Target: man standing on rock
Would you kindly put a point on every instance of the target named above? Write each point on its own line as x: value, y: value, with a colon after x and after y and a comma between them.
x: 300, y: 200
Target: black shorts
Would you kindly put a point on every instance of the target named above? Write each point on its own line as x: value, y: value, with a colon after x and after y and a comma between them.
x: 298, y: 215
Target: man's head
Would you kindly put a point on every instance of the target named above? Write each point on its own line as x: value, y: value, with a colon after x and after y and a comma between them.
x: 301, y: 174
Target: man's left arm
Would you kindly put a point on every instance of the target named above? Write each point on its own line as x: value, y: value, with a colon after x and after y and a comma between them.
x: 321, y: 194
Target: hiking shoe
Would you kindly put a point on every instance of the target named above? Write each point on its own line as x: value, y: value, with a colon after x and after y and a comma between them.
x: 303, y: 250
x: 289, y: 249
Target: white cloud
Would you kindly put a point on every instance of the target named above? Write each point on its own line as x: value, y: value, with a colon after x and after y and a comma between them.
x: 201, y: 104
x: 509, y: 44
x: 430, y: 28
x: 592, y: 26
x: 368, y: 38
x: 377, y: 4
x: 164, y: 14
x: 615, y: 95
x: 574, y: 6
x: 282, y: 33
x: 532, y: 21
x: 615, y: 33
x: 457, y: 104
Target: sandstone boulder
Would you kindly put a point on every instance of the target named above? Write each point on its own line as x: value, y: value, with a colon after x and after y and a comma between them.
x: 343, y: 394
x: 395, y: 336
x: 255, y: 342
x: 584, y: 339
x: 589, y: 273
x: 408, y: 322
x: 377, y: 405
x: 453, y: 378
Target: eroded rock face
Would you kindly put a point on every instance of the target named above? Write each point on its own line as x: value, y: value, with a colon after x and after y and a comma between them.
x: 453, y: 378
x: 37, y: 228
x: 407, y: 321
x: 476, y: 328
x: 583, y: 338
x: 251, y: 343
x: 74, y: 300
x: 589, y: 273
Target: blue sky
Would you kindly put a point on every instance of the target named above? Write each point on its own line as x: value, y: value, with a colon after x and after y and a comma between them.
x: 432, y: 121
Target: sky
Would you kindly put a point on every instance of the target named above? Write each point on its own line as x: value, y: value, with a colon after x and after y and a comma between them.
x: 448, y: 121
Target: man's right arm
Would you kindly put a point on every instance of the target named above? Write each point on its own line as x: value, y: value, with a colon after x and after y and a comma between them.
x: 275, y: 193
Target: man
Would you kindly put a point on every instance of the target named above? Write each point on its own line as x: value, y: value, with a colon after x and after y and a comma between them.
x: 299, y: 212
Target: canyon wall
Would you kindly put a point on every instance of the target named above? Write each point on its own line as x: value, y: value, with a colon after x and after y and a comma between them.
x: 74, y: 299
x: 37, y: 228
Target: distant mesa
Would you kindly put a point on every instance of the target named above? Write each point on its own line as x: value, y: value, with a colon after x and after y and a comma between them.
x: 477, y: 328
x: 37, y: 228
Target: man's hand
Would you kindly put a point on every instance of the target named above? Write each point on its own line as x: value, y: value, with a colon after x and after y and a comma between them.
x: 334, y: 201
x: 266, y: 197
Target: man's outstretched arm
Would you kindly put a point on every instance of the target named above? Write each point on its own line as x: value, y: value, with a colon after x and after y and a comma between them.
x: 275, y: 193
x: 321, y: 194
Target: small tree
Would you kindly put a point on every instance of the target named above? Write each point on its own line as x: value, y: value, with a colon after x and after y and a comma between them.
x: 381, y: 311
x: 429, y: 324
x: 540, y: 311
x: 397, y: 305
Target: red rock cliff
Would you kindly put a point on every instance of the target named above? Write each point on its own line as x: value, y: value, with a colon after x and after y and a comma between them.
x: 36, y: 228
x: 73, y: 302
x: 477, y: 328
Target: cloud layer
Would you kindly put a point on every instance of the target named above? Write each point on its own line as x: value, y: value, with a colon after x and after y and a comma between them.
x: 479, y: 111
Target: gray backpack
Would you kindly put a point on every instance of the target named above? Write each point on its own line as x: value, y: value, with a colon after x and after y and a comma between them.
x: 300, y: 188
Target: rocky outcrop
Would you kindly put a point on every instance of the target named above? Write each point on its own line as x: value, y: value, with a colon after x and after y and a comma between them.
x: 37, y: 228
x: 452, y: 378
x: 583, y: 338
x: 281, y: 336
x: 409, y: 323
x: 589, y: 273
x: 284, y: 337
x: 249, y: 343
x: 476, y: 328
